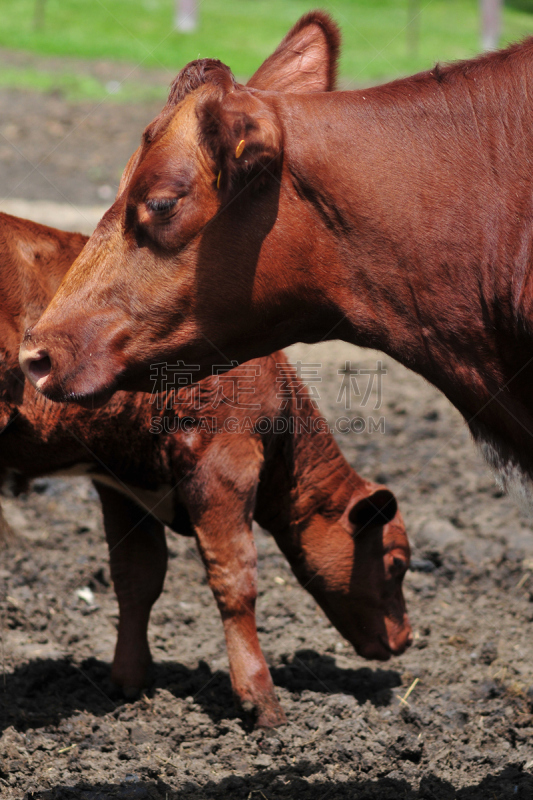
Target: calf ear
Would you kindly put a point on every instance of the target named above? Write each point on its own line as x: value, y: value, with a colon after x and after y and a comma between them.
x: 243, y: 135
x: 306, y: 59
x: 373, y: 511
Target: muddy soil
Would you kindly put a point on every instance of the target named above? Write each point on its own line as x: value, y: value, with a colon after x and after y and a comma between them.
x: 451, y: 718
x: 64, y: 152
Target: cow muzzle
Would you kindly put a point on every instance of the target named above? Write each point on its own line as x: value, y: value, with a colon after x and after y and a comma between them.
x: 36, y: 364
x: 385, y: 645
x: 67, y: 370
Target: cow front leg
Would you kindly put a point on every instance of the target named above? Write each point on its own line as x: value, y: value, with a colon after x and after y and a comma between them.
x: 138, y: 563
x: 230, y: 558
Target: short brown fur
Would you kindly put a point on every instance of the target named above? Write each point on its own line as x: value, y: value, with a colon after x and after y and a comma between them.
x: 185, y: 466
x: 397, y: 217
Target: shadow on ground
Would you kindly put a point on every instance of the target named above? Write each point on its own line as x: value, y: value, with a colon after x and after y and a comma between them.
x: 319, y: 673
x: 43, y: 692
x: 510, y: 783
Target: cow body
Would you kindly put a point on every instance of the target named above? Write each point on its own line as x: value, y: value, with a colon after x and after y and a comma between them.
x: 205, y: 461
x: 397, y: 217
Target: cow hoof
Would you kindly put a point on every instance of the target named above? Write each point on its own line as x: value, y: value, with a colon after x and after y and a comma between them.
x: 131, y: 692
x: 131, y: 686
x: 119, y: 689
x: 132, y: 676
x: 271, y: 716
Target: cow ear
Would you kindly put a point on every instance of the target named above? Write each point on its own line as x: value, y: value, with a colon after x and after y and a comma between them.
x: 373, y: 511
x: 306, y: 59
x: 243, y: 135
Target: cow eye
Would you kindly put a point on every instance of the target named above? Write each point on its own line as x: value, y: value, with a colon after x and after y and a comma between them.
x: 160, y: 205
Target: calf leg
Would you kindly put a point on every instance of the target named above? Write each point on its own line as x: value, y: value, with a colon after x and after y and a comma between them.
x: 230, y: 557
x: 221, y: 500
x: 138, y: 562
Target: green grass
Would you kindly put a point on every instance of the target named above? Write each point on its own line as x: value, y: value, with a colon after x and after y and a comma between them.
x: 242, y: 33
x: 74, y: 86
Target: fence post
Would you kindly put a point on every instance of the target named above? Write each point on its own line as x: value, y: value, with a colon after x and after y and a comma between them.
x: 491, y: 23
x: 185, y: 15
x: 38, y: 15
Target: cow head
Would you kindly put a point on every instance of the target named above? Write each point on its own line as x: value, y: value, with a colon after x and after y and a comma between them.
x: 181, y: 243
x: 34, y: 260
x: 354, y: 568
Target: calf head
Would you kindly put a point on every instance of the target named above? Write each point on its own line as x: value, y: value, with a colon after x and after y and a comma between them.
x: 181, y: 242
x: 34, y: 260
x: 354, y: 568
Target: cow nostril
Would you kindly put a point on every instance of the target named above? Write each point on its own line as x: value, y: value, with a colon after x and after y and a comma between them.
x: 39, y: 368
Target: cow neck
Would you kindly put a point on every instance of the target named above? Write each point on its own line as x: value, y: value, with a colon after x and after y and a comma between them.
x: 33, y: 264
x: 35, y: 259
x: 415, y: 200
x: 304, y: 474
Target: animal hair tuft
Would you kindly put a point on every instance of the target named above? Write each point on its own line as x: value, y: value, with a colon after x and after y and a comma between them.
x: 196, y: 74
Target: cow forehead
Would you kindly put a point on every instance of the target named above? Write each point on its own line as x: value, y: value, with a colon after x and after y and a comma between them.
x: 178, y: 141
x: 180, y: 122
x: 183, y: 121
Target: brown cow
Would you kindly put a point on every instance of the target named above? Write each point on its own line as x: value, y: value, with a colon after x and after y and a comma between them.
x: 226, y: 451
x: 397, y: 217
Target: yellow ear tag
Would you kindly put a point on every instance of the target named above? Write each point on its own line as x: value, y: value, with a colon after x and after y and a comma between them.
x: 240, y: 148
x: 218, y: 179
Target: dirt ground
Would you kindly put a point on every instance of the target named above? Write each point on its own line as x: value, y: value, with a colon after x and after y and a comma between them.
x: 451, y: 718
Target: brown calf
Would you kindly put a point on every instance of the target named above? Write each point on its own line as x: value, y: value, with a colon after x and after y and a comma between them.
x: 222, y: 453
x: 397, y: 217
